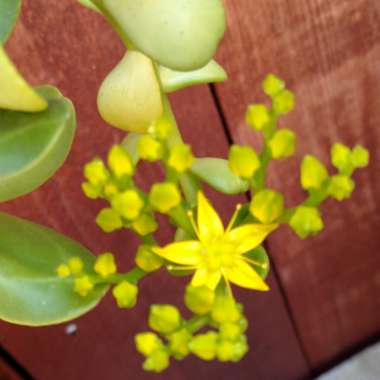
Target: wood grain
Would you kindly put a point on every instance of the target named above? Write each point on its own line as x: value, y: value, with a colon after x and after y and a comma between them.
x: 329, y: 54
x: 70, y: 47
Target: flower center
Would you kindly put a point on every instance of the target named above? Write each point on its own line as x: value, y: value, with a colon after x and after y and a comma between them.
x: 220, y: 254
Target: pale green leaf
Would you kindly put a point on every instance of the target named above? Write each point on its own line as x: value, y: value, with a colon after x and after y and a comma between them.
x: 9, y: 11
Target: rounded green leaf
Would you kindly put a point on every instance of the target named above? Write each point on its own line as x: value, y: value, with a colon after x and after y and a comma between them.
x: 31, y: 292
x: 172, y: 80
x: 89, y: 4
x: 216, y: 173
x: 130, y: 96
x: 179, y: 34
x: 15, y: 93
x: 34, y: 145
x: 9, y: 11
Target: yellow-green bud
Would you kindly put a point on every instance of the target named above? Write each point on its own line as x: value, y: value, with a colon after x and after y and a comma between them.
x: 145, y: 224
x: 340, y: 187
x: 313, y: 173
x: 282, y: 144
x: 76, y: 265
x: 360, y: 157
x: 128, y: 204
x: 258, y: 116
x: 147, y: 260
x: 161, y: 128
x: 157, y: 361
x: 110, y: 190
x: 283, y: 102
x: 147, y: 343
x: 149, y: 148
x: 230, y: 330
x: 240, y: 348
x: 199, y: 299
x: 90, y: 190
x: 105, y: 265
x: 125, y: 294
x: 164, y: 196
x: 267, y: 206
x: 83, y: 285
x: 63, y: 271
x: 120, y: 162
x: 341, y: 157
x: 179, y: 343
x: 164, y: 319
x: 306, y: 221
x: 181, y: 158
x: 243, y: 161
x: 225, y: 309
x: 225, y: 351
x: 109, y: 220
x: 272, y: 85
x: 96, y: 173
x: 204, y: 345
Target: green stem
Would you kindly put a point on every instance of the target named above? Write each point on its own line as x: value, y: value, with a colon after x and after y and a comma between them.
x: 196, y: 323
x: 133, y: 276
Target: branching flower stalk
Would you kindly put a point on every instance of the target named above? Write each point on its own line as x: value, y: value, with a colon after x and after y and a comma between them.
x: 215, y: 257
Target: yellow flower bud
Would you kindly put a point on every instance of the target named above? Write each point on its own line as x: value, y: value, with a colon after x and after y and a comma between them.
x: 96, y: 172
x: 359, y: 157
x: 90, y: 190
x: 76, y: 265
x: 63, y: 271
x: 179, y: 343
x: 225, y: 310
x: 83, y: 285
x: 267, y: 206
x: 120, y: 162
x: 157, y: 361
x: 147, y: 343
x: 164, y: 196
x: 340, y: 187
x: 199, y: 299
x: 313, y: 173
x: 125, y: 294
x: 181, y: 157
x: 205, y: 345
x: 272, y: 85
x: 225, y: 351
x: 282, y: 144
x: 145, y: 224
x: 258, y: 116
x: 283, y: 102
x: 105, y: 265
x: 149, y: 148
x: 109, y: 220
x: 306, y: 221
x: 164, y: 319
x: 128, y: 204
x: 147, y: 260
x: 243, y: 161
x: 162, y: 128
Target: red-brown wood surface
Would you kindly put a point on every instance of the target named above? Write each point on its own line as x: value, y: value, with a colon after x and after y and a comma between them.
x: 7, y: 373
x: 64, y: 44
x: 329, y: 54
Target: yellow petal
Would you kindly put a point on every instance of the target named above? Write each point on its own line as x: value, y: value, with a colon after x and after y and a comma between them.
x: 209, y: 224
x: 184, y: 252
x: 245, y: 276
x: 249, y: 236
x: 203, y: 277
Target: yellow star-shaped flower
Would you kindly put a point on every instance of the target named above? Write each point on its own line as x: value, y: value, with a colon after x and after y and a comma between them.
x: 219, y: 252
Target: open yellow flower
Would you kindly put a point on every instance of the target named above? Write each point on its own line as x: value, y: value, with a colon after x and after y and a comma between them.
x: 219, y: 253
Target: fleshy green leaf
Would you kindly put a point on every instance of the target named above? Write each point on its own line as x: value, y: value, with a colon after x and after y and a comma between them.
x: 216, y: 173
x: 259, y: 255
x: 89, y: 4
x: 9, y: 11
x: 31, y: 292
x: 15, y: 93
x: 170, y: 31
x: 34, y: 145
x: 130, y: 97
x: 175, y: 80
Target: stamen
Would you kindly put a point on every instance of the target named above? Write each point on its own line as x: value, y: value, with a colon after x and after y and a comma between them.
x: 228, y: 285
x: 190, y: 214
x: 233, y: 219
x: 253, y: 262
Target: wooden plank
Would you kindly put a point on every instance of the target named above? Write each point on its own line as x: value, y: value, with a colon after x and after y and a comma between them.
x: 73, y: 48
x: 329, y: 54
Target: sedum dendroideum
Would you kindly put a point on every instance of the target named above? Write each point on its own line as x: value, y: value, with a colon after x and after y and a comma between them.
x: 166, y: 53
